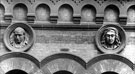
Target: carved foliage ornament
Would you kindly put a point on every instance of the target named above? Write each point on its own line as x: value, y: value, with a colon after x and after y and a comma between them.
x: 77, y: 2
x: 30, y: 1
x: 55, y: 1
x: 100, y: 2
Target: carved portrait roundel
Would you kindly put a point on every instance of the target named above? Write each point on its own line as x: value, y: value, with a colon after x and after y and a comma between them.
x: 19, y: 37
x: 110, y: 39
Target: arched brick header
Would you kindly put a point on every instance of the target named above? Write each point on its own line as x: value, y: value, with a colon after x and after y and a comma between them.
x: 20, y: 55
x: 63, y: 55
x: 110, y: 56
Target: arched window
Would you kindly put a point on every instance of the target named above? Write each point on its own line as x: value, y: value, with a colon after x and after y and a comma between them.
x: 65, y: 13
x: 88, y: 13
x: 111, y: 14
x: 2, y: 12
x: 20, y: 12
x: 131, y: 14
x: 43, y: 12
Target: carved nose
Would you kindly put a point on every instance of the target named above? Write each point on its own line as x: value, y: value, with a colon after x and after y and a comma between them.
x: 109, y: 37
x: 17, y: 37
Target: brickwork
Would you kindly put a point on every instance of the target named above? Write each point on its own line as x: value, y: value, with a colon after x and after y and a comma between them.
x: 65, y: 36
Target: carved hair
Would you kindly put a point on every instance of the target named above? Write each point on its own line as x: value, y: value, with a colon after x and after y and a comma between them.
x: 18, y: 29
x: 117, y: 39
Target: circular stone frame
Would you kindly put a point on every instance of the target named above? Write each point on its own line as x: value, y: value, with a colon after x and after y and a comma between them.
x: 122, y: 34
x: 28, y: 30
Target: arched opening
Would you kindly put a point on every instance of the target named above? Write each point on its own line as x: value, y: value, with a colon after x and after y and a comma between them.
x: 131, y: 14
x: 88, y: 13
x: 109, y: 72
x: 20, y: 12
x: 2, y: 12
x: 63, y: 72
x: 111, y: 14
x: 43, y: 12
x: 16, y: 71
x: 65, y: 13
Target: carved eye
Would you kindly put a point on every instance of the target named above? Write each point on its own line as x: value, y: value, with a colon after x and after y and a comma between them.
x: 112, y: 35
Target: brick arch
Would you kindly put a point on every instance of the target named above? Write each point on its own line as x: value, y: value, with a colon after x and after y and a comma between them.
x: 63, y: 55
x: 20, y: 55
x: 63, y: 62
x: 110, y: 56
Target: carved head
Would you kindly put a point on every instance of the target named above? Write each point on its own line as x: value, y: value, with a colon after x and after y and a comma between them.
x: 19, y: 35
x: 110, y: 37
